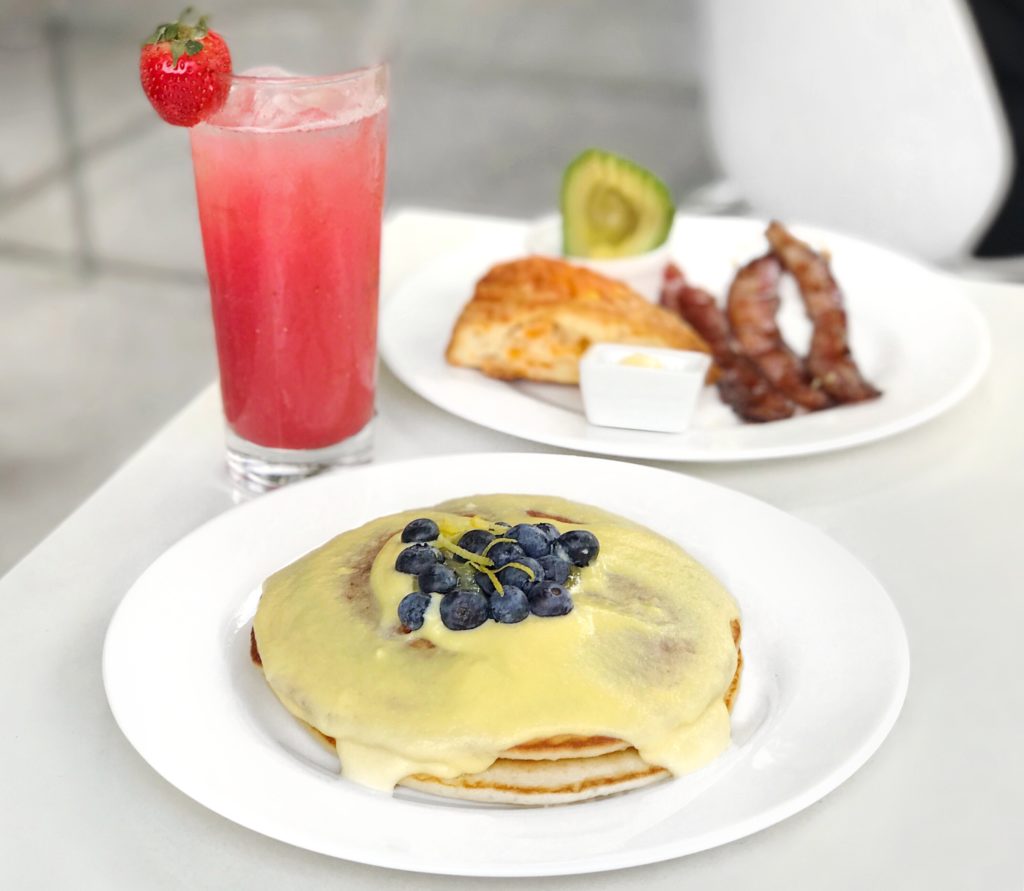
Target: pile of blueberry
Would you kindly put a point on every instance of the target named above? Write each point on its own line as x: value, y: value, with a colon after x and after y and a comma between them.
x: 504, y: 573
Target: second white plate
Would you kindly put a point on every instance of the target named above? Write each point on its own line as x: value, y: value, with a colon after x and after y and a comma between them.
x: 825, y: 673
x: 914, y: 335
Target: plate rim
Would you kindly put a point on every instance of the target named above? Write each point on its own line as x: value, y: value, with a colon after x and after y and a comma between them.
x: 970, y: 318
x: 586, y: 864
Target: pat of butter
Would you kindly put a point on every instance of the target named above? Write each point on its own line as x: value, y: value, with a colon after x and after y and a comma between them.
x: 641, y: 360
x: 641, y: 389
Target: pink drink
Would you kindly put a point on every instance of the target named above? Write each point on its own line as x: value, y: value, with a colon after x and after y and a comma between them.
x: 290, y: 179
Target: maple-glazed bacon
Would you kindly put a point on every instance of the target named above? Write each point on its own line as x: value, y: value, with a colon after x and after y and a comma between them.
x: 830, y: 361
x: 752, y: 305
x: 741, y: 383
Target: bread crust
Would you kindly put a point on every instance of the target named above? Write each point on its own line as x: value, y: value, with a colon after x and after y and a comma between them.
x: 533, y: 318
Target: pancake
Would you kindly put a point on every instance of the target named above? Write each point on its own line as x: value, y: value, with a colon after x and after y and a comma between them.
x: 560, y: 781
x: 631, y: 687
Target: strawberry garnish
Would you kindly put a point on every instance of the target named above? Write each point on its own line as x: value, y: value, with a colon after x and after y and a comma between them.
x: 184, y: 67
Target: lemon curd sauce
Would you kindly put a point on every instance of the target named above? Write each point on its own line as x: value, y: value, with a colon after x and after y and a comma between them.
x: 646, y: 655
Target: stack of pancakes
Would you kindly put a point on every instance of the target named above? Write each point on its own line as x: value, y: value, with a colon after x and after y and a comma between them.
x: 629, y: 688
x: 558, y: 770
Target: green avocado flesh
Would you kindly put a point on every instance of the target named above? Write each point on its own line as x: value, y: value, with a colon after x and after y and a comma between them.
x: 612, y: 207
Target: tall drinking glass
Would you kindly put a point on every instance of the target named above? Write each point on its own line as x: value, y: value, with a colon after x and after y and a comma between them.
x: 290, y: 182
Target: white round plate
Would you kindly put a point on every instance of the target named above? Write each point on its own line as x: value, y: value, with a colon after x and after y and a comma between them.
x: 912, y: 332
x: 825, y: 673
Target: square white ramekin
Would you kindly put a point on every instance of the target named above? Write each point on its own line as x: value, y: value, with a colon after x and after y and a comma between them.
x: 659, y: 396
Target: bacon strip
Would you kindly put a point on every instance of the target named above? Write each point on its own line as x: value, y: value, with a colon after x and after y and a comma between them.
x: 752, y: 305
x: 830, y: 361
x: 741, y: 384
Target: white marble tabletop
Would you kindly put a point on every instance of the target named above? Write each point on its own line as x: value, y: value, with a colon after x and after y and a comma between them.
x: 935, y: 514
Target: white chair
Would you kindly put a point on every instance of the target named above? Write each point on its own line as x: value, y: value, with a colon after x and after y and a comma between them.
x: 875, y: 118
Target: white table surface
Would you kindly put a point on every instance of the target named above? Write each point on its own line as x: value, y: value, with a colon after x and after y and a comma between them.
x: 935, y: 513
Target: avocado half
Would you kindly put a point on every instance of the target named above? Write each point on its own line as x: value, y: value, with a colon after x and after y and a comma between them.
x: 612, y: 207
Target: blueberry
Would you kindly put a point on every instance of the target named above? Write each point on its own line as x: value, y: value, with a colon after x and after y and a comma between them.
x: 503, y: 552
x: 549, y: 599
x: 411, y: 610
x: 516, y: 577
x: 483, y: 581
x: 560, y: 551
x: 555, y: 568
x: 474, y: 541
x: 462, y: 610
x: 421, y: 530
x: 437, y: 579
x: 548, y: 531
x: 581, y: 546
x: 533, y: 542
x: 415, y: 558
x: 510, y: 607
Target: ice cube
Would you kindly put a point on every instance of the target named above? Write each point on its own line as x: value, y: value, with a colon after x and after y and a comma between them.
x: 286, y: 108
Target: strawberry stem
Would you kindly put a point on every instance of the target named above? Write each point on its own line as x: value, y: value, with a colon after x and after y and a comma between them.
x: 183, y: 38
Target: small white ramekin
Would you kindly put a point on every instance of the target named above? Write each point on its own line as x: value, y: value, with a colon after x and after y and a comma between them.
x: 639, y: 397
x: 643, y: 273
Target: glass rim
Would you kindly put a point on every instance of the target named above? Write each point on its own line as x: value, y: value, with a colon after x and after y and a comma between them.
x: 304, y: 80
